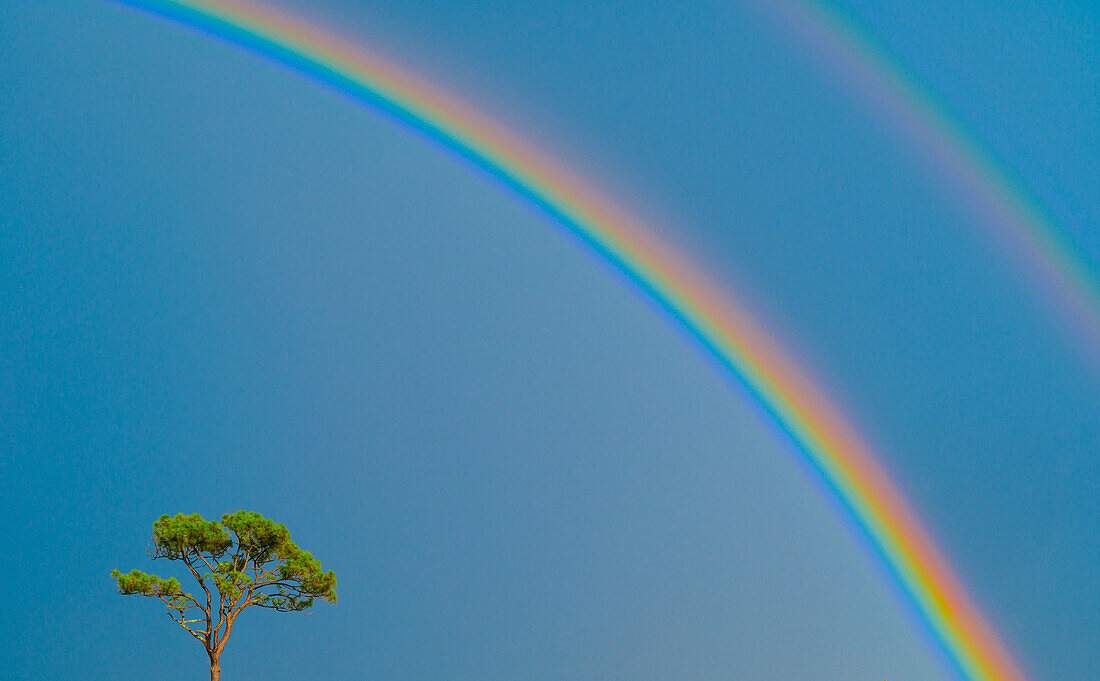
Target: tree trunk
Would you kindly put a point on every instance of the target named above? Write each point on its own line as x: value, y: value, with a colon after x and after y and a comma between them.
x: 215, y: 669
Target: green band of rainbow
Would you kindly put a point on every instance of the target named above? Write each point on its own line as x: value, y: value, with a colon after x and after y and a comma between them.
x: 843, y: 460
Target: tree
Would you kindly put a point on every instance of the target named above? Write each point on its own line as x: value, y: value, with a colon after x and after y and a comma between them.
x: 258, y: 566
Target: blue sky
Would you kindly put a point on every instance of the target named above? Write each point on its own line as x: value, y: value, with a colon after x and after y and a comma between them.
x: 223, y: 286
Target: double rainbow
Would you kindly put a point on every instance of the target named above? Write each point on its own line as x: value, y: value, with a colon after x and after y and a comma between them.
x: 845, y: 462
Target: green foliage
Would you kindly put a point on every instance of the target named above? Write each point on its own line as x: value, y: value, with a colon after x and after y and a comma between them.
x: 137, y: 582
x: 248, y: 559
x: 175, y: 537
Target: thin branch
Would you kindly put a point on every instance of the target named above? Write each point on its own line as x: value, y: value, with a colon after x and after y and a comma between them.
x: 194, y: 603
x: 203, y: 559
x: 221, y: 596
x: 198, y: 578
x: 241, y: 555
x: 184, y: 622
x: 209, y: 600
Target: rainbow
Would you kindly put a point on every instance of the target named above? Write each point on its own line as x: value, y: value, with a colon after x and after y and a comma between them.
x: 1012, y: 219
x: 831, y: 446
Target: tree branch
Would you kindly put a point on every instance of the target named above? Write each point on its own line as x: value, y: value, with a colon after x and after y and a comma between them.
x: 209, y: 599
x: 184, y: 622
x: 221, y: 596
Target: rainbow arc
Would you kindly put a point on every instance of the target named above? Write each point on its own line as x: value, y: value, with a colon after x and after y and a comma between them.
x: 714, y: 316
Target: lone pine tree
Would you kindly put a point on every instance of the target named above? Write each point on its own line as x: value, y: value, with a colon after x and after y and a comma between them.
x: 258, y: 565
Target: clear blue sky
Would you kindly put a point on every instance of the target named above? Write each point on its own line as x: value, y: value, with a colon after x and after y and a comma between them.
x: 223, y: 286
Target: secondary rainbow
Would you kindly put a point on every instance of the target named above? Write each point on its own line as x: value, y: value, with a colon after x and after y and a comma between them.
x: 800, y: 407
x: 1000, y: 206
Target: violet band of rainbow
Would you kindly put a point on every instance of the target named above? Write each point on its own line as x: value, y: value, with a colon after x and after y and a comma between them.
x: 802, y: 409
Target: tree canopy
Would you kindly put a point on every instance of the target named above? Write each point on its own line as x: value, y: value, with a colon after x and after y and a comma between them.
x: 245, y: 560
